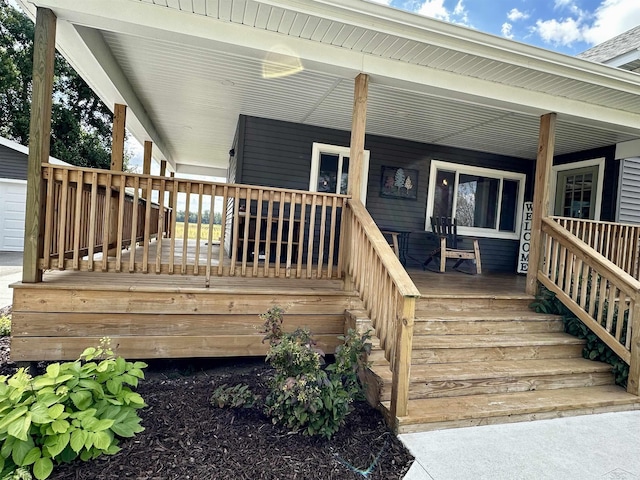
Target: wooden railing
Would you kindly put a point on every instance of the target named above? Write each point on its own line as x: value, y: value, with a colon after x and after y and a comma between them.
x: 617, y: 242
x: 270, y: 232
x: 601, y: 294
x: 388, y: 294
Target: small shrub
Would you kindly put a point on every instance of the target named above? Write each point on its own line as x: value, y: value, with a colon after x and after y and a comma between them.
x: 304, y: 397
x: 75, y: 409
x: 5, y: 326
x: 238, y: 396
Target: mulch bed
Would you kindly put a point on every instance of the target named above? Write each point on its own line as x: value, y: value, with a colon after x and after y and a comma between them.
x: 186, y: 438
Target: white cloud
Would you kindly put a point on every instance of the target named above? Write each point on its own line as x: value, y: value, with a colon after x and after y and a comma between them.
x: 436, y: 9
x: 611, y: 18
x: 515, y: 14
x: 507, y: 30
x: 564, y: 32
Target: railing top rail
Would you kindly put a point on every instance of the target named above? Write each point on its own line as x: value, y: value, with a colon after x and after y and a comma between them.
x: 187, y: 180
x: 398, y: 274
x: 597, y: 222
x: 630, y: 284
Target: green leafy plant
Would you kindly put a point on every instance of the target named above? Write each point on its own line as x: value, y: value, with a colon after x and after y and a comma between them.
x: 304, y: 396
x: 74, y: 409
x: 237, y: 396
x: 594, y: 349
x: 5, y: 326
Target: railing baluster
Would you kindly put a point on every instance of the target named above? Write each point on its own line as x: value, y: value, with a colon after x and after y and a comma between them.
x: 235, y: 240
x: 292, y: 219
x: 185, y: 233
x: 212, y: 202
x: 121, y: 215
x: 332, y: 237
x: 303, y: 218
x: 134, y: 224
x: 161, y: 225
x: 93, y: 220
x: 196, y: 262
x: 247, y: 223
x: 174, y: 222
x: 323, y: 221
x: 223, y: 229
x: 258, y: 234
x: 106, y: 223
x: 312, y: 231
x: 77, y: 221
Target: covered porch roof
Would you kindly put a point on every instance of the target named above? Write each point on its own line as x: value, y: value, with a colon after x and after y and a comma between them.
x: 188, y: 69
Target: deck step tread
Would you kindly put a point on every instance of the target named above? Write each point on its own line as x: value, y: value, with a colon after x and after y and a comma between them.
x: 431, y: 410
x: 498, y: 369
x: 523, y: 316
x: 484, y: 341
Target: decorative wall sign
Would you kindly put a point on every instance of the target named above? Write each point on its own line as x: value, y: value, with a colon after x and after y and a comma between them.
x: 399, y: 182
x: 525, y: 238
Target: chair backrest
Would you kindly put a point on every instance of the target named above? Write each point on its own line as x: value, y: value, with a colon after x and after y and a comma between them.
x: 446, y: 227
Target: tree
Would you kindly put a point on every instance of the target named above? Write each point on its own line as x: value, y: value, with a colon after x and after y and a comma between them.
x: 80, y: 123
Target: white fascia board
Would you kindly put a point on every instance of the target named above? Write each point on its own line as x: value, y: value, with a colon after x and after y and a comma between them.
x: 140, y: 19
x: 87, y: 53
x: 628, y: 149
x: 413, y: 26
x: 624, y: 59
x: 185, y: 169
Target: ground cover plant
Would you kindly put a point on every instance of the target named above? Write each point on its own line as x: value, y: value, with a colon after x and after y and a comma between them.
x: 186, y: 437
x: 72, y: 410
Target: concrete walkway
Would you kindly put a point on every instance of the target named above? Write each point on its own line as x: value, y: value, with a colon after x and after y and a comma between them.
x: 10, y: 272
x: 602, y: 447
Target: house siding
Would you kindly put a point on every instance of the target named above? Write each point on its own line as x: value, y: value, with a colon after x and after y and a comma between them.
x: 629, y: 196
x: 13, y: 164
x: 278, y: 154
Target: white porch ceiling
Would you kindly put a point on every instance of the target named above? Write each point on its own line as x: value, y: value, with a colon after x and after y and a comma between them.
x: 194, y: 66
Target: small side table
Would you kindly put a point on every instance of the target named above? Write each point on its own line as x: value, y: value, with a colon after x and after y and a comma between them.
x: 400, y: 242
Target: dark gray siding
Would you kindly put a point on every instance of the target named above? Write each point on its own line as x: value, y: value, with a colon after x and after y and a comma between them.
x: 610, y: 182
x: 12, y: 164
x: 629, y: 204
x: 278, y: 154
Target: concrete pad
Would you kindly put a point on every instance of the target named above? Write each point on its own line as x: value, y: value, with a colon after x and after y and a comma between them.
x: 10, y: 272
x: 605, y: 446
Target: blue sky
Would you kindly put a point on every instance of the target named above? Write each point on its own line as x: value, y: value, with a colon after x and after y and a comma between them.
x: 566, y: 26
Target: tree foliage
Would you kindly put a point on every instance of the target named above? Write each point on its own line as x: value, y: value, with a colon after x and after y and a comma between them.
x: 80, y: 124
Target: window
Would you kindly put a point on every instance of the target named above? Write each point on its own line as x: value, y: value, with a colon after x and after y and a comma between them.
x: 330, y: 170
x: 578, y: 189
x: 485, y: 202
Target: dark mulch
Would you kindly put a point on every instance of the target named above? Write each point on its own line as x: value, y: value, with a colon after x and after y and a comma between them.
x: 186, y: 438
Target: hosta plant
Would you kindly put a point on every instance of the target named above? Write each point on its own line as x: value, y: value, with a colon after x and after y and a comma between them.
x: 74, y: 409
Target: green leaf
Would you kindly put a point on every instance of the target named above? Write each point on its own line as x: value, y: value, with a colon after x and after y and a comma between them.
x: 61, y: 441
x: 103, y: 424
x: 49, y: 399
x: 102, y: 440
x: 42, y: 468
x: 11, y: 417
x: 53, y: 370
x: 40, y: 413
x: 60, y: 426
x: 82, y: 399
x: 78, y: 437
x: 20, y: 427
x: 56, y: 410
x: 114, y: 385
x: 31, y: 457
x: 20, y: 450
x: 41, y: 381
x: 128, y: 428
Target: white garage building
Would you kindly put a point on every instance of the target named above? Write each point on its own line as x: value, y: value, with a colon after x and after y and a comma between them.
x: 13, y: 194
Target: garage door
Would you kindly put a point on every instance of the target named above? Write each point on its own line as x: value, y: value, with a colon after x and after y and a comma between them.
x: 13, y: 195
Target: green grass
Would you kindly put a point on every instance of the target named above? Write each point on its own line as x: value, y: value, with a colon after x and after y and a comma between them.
x: 193, y: 230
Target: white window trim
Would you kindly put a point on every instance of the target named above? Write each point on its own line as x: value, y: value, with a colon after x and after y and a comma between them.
x: 555, y: 169
x: 319, y: 148
x: 481, y: 171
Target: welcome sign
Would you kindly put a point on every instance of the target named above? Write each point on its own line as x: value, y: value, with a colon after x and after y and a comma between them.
x: 525, y: 238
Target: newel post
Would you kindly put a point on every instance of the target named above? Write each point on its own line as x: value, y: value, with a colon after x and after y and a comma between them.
x: 402, y: 361
x: 544, y: 162
x: 44, y: 49
x: 633, y: 382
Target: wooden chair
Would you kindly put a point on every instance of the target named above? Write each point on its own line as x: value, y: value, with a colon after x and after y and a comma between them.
x: 446, y: 229
x: 394, y: 241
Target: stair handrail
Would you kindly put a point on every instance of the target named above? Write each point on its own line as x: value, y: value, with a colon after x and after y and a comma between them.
x: 388, y: 293
x: 597, y: 291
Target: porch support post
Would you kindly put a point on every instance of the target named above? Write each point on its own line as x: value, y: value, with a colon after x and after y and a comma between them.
x: 146, y: 164
x: 170, y: 204
x: 163, y: 168
x: 44, y: 50
x: 117, y: 138
x: 544, y: 162
x: 358, y: 125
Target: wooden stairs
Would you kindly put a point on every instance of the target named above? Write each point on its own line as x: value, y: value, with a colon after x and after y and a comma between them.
x: 480, y: 359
